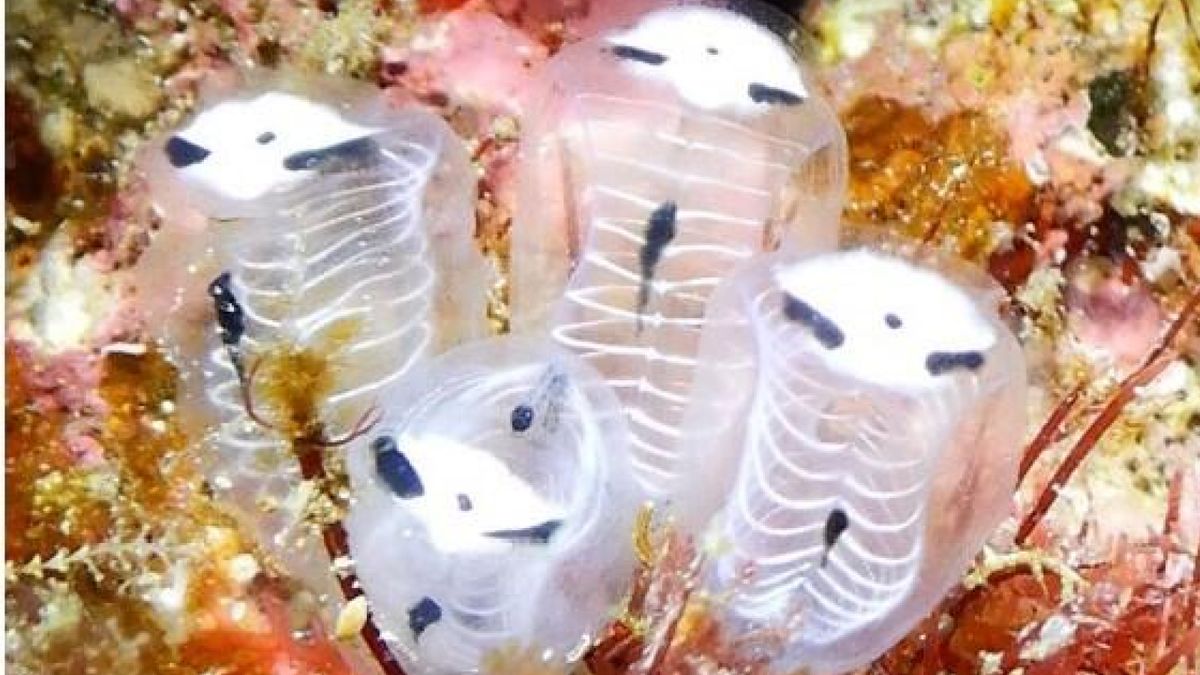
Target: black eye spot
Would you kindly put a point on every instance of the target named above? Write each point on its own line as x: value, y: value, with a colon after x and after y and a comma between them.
x: 761, y: 93
x: 712, y: 50
x: 395, y: 470
x: 538, y: 534
x: 265, y: 137
x: 824, y: 329
x: 464, y: 503
x: 352, y: 154
x: 938, y: 363
x: 521, y: 418
x: 423, y: 615
x: 183, y: 153
x: 640, y: 55
x: 892, y: 321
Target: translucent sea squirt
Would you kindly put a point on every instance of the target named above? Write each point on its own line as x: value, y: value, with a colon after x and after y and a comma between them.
x: 492, y: 507
x: 863, y: 416
x: 319, y: 273
x: 655, y: 158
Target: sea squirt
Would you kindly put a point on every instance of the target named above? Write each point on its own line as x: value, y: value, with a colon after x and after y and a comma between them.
x: 655, y: 159
x: 492, y: 507
x: 863, y: 415
x: 331, y: 226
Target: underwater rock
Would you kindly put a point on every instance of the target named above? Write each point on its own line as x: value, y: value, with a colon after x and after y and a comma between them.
x: 857, y: 440
x: 655, y: 159
x: 492, y: 507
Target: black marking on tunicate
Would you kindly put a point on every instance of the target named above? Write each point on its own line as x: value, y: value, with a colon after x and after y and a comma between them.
x: 521, y: 418
x: 423, y: 615
x: 892, y: 321
x: 640, y: 55
x: 836, y: 523
x: 538, y: 534
x: 824, y: 329
x: 395, y: 470
x: 181, y: 152
x: 231, y: 319
x: 660, y: 230
x: 938, y: 363
x: 464, y: 503
x: 347, y: 156
x: 265, y: 137
x: 761, y: 93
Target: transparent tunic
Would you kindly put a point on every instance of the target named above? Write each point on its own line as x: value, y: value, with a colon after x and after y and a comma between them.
x: 654, y: 160
x: 331, y: 225
x: 493, y: 506
x: 854, y: 442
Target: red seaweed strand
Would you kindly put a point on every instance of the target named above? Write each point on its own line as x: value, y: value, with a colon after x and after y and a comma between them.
x: 1151, y: 367
x: 1049, y: 431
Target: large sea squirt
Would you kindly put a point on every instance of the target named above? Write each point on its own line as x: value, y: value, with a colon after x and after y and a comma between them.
x: 318, y: 273
x: 492, y: 508
x: 864, y: 414
x: 655, y: 159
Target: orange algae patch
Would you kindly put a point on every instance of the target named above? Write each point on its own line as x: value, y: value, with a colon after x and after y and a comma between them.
x: 953, y: 179
x: 36, y: 458
x: 268, y: 645
x: 90, y: 547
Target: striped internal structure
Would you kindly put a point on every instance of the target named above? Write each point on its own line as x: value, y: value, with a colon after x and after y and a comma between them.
x: 819, y: 442
x: 452, y: 419
x: 341, y: 267
x: 721, y: 182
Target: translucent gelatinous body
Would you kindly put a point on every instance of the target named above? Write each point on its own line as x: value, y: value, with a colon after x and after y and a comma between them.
x: 656, y: 159
x: 493, y: 507
x: 863, y: 417
x: 335, y: 228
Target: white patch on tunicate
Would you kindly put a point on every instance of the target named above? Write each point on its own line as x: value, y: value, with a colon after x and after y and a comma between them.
x: 713, y: 56
x: 239, y: 166
x: 858, y: 291
x: 499, y: 499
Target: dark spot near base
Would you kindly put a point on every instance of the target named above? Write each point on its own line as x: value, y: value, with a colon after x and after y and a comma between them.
x: 521, y: 418
x: 395, y: 470
x: 355, y: 154
x: 464, y: 503
x: 231, y: 320
x: 538, y: 534
x: 761, y: 93
x: 824, y: 329
x: 892, y: 321
x: 660, y: 230
x: 265, y: 137
x: 836, y: 523
x: 938, y: 363
x: 639, y: 55
x: 423, y: 615
x: 183, y: 153
x: 712, y: 50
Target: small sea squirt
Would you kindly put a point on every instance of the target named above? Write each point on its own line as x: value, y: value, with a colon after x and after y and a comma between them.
x: 655, y: 159
x: 863, y: 417
x: 332, y: 226
x: 492, y: 507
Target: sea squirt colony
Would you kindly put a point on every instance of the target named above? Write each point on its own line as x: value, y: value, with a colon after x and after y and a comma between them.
x: 838, y: 429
